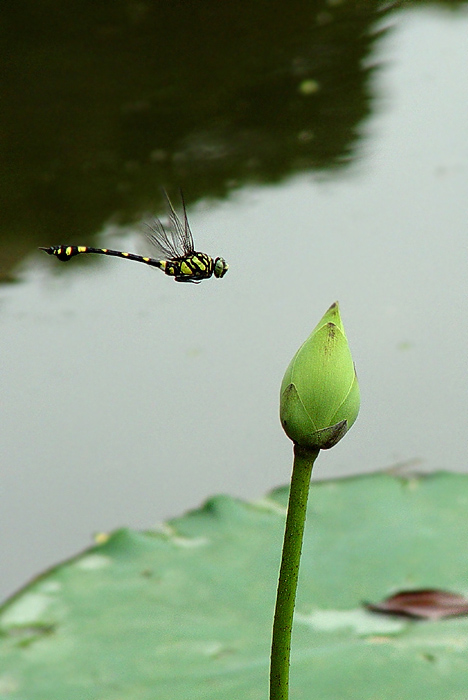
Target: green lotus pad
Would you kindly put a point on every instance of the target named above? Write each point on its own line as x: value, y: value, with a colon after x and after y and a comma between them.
x: 185, y: 612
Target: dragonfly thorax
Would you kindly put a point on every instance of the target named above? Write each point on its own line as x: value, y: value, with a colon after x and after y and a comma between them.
x: 190, y: 268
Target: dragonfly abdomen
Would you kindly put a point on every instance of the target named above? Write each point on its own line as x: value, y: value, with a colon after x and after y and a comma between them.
x: 67, y: 252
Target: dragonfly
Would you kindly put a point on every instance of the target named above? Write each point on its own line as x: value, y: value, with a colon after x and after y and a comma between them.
x: 173, y: 248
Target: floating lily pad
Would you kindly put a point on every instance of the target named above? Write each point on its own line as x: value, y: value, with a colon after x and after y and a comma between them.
x: 185, y: 613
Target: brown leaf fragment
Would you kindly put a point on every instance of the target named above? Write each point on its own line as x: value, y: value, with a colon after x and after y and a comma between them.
x: 426, y: 604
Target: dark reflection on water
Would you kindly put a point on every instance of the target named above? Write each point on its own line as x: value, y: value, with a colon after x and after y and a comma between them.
x: 102, y: 106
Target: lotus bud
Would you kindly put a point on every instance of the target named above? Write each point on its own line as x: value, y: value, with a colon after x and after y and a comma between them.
x: 320, y: 393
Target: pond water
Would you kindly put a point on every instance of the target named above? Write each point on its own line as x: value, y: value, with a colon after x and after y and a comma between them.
x: 128, y: 399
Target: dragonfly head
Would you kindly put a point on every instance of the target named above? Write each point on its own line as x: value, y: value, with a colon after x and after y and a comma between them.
x: 220, y: 267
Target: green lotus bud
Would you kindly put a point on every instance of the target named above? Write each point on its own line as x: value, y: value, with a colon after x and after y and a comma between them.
x: 320, y: 393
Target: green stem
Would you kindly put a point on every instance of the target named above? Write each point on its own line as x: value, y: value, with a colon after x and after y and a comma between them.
x: 287, y: 584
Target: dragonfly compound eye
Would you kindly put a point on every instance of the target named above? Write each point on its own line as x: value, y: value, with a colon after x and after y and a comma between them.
x: 220, y: 267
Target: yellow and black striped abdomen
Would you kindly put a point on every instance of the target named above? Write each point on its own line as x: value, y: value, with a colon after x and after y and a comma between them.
x: 191, y: 268
x: 67, y: 252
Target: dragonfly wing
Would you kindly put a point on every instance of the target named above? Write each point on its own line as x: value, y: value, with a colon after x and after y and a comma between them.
x: 165, y: 246
x: 186, y: 233
x: 181, y: 229
x: 174, y: 240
